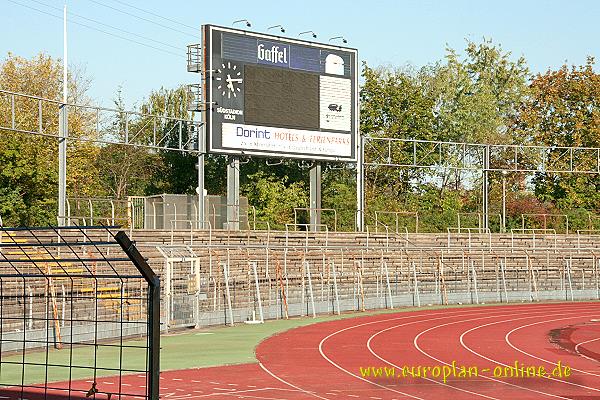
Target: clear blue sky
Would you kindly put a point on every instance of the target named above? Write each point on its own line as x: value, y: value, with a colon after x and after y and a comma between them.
x: 547, y: 33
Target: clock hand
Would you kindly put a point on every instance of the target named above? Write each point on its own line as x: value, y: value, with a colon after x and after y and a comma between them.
x: 234, y: 80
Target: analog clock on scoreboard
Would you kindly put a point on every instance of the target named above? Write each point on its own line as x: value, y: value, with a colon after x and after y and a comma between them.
x: 279, y: 97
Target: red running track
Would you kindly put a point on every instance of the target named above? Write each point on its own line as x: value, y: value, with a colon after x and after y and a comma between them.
x: 323, y: 361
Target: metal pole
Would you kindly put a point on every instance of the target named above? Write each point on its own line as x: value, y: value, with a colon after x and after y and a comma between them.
x: 416, y: 288
x: 486, y: 189
x: 200, y: 190
x: 204, y: 79
x: 503, y: 201
x: 360, y: 184
x: 153, y: 377
x: 168, y: 309
x: 502, y: 265
x: 387, y: 280
x: 63, y: 127
x: 315, y: 197
x: 310, y: 289
x: 569, y: 263
x: 474, y: 277
x: 335, y: 287
x: 233, y: 193
x: 226, y: 276
x: 260, y: 309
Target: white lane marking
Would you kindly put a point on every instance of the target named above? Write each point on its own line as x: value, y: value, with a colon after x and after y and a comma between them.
x: 422, y: 314
x: 585, y: 342
x: 435, y: 326
x: 416, y: 344
x: 238, y: 393
x: 507, y: 339
x: 500, y: 363
x: 290, y: 384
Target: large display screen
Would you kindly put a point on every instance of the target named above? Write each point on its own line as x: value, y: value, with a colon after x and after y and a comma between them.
x: 278, y: 97
x: 274, y: 96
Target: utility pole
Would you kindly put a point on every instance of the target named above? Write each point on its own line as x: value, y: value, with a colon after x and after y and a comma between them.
x: 504, y: 201
x: 63, y: 127
x: 486, y: 187
x: 360, y: 183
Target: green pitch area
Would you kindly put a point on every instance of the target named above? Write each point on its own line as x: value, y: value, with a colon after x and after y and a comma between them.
x: 184, y: 349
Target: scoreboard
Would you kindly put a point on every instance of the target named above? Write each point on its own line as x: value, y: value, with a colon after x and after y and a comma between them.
x: 279, y: 97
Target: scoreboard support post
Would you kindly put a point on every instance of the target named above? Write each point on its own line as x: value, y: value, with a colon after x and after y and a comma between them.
x: 200, y: 191
x: 315, y: 196
x: 233, y: 193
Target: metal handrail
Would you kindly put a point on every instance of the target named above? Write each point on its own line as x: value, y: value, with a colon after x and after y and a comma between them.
x: 551, y: 232
x: 188, y: 221
x: 587, y: 232
x: 311, y: 209
x: 387, y: 234
x: 397, y: 214
x: 239, y: 220
x: 459, y: 229
x: 306, y: 232
x: 485, y: 231
x: 154, y: 203
x: 478, y: 214
x: 545, y: 216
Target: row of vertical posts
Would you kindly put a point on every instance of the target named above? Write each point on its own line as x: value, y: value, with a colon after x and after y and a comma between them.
x: 368, y: 278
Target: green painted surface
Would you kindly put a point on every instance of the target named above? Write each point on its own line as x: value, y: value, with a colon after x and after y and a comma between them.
x: 185, y: 349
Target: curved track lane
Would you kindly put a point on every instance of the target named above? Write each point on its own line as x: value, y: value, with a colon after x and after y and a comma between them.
x: 324, y: 360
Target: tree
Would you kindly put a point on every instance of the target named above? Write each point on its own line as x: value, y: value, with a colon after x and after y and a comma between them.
x: 395, y: 103
x: 564, y: 111
x: 475, y: 98
x: 29, y: 178
x: 275, y: 199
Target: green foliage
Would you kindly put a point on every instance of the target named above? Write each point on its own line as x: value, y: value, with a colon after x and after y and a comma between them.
x: 564, y: 110
x: 339, y: 192
x: 474, y: 99
x: 29, y: 175
x: 275, y: 198
x: 480, y: 95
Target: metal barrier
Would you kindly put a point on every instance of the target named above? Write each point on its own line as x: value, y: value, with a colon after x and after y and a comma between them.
x: 312, y: 277
x: 535, y: 233
x: 469, y: 214
x: 545, y: 219
x: 83, y: 292
x: 396, y: 215
x: 469, y: 231
x: 119, y: 209
x: 316, y: 210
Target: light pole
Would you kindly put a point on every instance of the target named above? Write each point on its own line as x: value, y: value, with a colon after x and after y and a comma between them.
x: 504, y: 201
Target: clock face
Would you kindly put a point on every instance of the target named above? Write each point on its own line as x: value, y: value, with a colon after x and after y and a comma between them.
x: 229, y: 79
